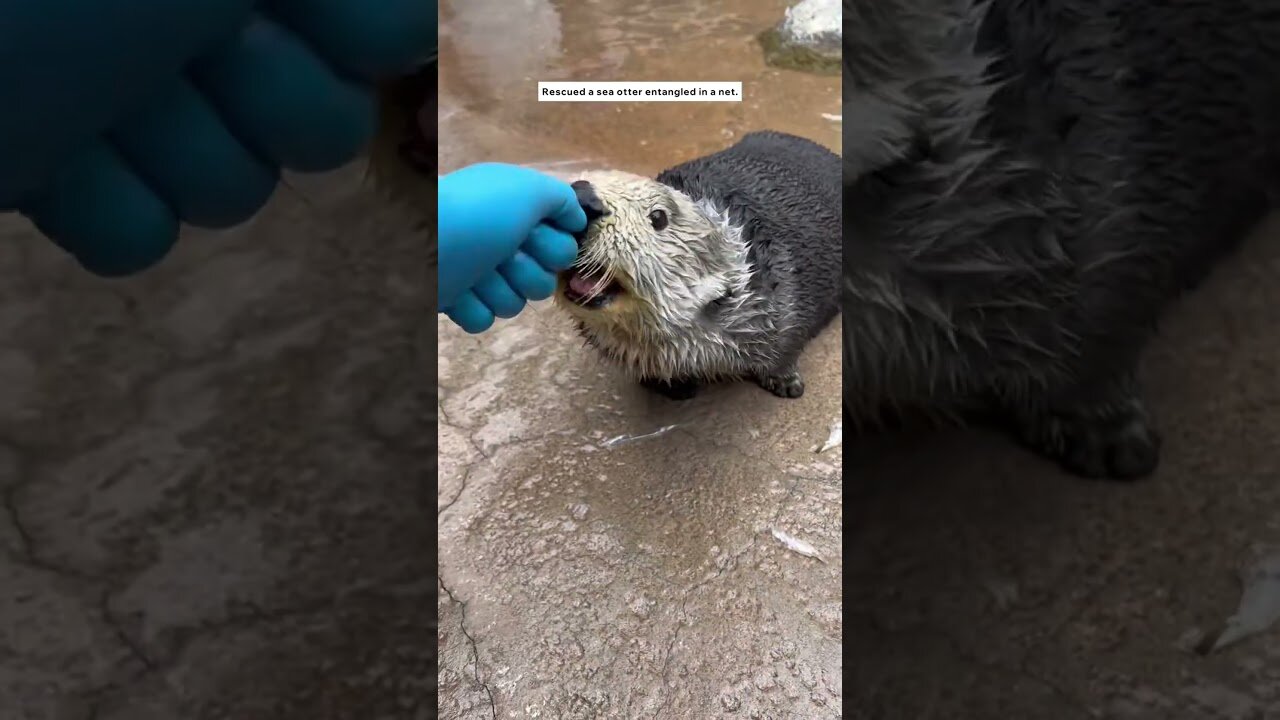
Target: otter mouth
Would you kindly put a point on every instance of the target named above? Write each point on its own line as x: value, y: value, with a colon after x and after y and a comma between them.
x: 590, y: 289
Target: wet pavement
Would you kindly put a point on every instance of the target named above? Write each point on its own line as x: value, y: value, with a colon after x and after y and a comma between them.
x: 488, y: 88
x: 215, y: 476
x: 984, y: 584
x: 610, y: 554
x: 605, y: 553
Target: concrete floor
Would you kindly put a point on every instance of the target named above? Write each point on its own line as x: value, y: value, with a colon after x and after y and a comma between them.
x: 597, y: 573
x: 984, y: 584
x: 215, y: 476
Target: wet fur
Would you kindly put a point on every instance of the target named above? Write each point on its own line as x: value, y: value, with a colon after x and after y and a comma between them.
x: 1028, y: 184
x: 744, y: 276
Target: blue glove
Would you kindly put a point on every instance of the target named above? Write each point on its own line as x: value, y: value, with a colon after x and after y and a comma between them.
x: 119, y: 119
x: 503, y: 237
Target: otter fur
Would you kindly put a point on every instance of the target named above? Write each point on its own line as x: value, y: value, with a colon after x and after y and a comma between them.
x: 723, y: 267
x: 1028, y: 184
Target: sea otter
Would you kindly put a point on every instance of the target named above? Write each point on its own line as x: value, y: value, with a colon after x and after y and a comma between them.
x: 723, y: 267
x: 1027, y: 186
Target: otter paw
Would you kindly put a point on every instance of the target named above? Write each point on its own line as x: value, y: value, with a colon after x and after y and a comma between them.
x: 672, y: 389
x: 784, y: 385
x: 1119, y: 445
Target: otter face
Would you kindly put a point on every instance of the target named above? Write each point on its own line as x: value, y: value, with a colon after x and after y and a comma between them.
x: 650, y: 260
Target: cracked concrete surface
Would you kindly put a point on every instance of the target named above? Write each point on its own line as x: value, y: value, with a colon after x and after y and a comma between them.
x: 986, y: 584
x: 214, y: 475
x: 588, y: 572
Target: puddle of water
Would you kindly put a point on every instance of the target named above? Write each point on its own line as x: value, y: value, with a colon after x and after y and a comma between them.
x: 494, y: 52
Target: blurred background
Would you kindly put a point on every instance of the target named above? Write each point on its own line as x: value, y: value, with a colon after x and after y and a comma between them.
x: 215, y: 474
x: 985, y: 582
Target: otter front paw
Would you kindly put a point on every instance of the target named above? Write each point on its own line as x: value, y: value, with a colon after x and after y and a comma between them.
x: 787, y: 384
x: 1115, y: 441
x: 672, y: 389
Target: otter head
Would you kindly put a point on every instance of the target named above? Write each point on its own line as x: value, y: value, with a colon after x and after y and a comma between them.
x: 659, y: 276
x: 650, y: 262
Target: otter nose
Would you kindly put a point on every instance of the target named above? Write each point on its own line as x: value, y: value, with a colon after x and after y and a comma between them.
x: 587, y: 198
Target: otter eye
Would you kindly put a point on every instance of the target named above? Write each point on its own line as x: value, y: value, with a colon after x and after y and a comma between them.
x: 658, y: 218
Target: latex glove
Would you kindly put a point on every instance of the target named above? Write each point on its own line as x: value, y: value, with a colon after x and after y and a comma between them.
x: 504, y: 234
x: 119, y: 119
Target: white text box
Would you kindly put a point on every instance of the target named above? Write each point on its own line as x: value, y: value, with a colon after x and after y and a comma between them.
x: 568, y: 91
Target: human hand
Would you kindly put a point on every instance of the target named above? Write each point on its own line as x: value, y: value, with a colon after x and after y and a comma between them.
x: 119, y: 119
x: 504, y: 234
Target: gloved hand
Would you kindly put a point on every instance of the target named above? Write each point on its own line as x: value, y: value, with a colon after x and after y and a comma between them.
x: 503, y: 236
x: 119, y: 119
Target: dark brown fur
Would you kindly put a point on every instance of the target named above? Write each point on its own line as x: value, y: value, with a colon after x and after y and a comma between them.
x: 1028, y: 185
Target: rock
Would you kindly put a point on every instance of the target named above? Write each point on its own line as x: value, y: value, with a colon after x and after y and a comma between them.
x: 807, y: 39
